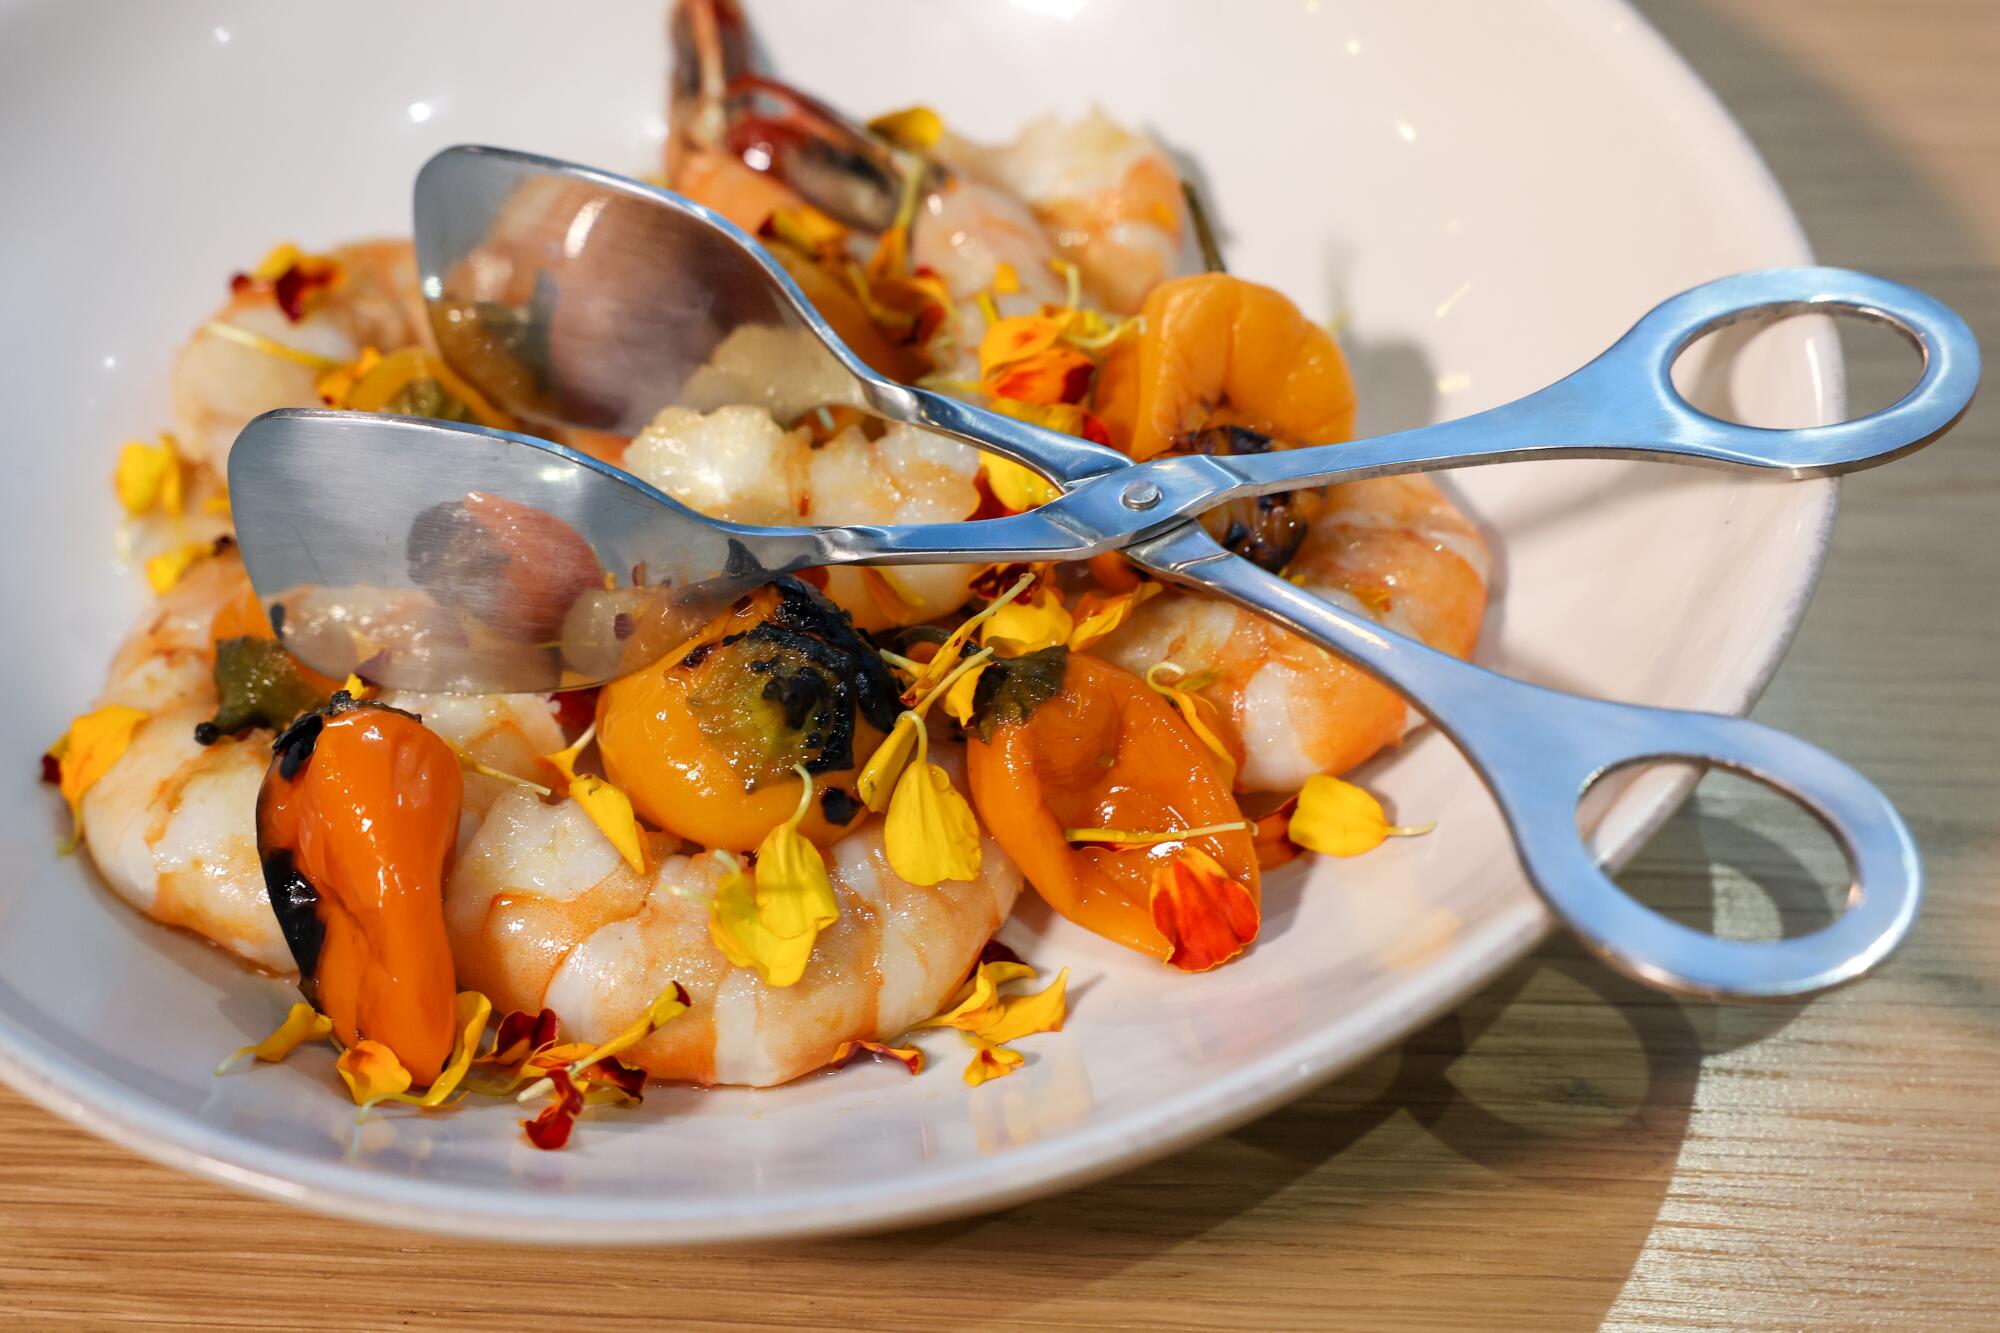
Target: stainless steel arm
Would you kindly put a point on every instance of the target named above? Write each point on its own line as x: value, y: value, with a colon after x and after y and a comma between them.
x: 1538, y: 750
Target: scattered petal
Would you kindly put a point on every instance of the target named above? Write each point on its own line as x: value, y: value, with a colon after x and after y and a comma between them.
x: 917, y: 128
x: 1028, y: 626
x: 909, y: 1057
x: 564, y: 760
x: 1008, y: 341
x: 1053, y: 375
x: 1340, y: 819
x: 473, y: 1011
x: 1098, y: 617
x: 166, y: 569
x: 878, y: 777
x: 550, y: 1129
x: 1017, y: 487
x: 1207, y: 917
x: 94, y: 742
x: 958, y: 700
x: 149, y: 476
x: 991, y: 1062
x: 302, y: 1024
x: 1180, y: 693
x: 372, y: 1073
x: 611, y: 810
x: 930, y: 834
x: 1141, y: 838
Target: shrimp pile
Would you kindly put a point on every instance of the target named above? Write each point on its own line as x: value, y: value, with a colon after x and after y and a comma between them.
x: 796, y: 831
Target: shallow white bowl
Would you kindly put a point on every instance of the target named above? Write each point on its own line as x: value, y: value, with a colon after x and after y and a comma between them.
x: 1486, y: 194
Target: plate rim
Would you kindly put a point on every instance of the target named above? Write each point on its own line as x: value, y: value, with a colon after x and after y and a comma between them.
x: 107, y: 1108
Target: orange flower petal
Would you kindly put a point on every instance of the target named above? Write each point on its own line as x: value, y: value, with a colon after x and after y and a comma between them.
x: 1053, y: 375
x: 991, y: 1062
x: 1206, y: 916
x: 909, y: 1057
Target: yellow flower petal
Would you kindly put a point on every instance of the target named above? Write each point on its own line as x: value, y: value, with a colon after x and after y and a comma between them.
x: 1016, y: 1016
x: 611, y: 810
x: 1026, y: 627
x: 1016, y: 338
x: 1104, y: 618
x: 930, y: 834
x: 794, y: 895
x: 975, y: 996
x: 1144, y: 838
x: 739, y: 932
x: 371, y: 1072
x: 564, y: 760
x: 473, y: 1011
x: 668, y: 1005
x: 1005, y: 280
x: 878, y: 777
x: 946, y: 659
x: 991, y: 1062
x: 1180, y: 694
x: 94, y: 742
x: 277, y: 261
x: 1340, y: 819
x: 918, y: 128
x: 1017, y: 487
x: 958, y: 699
x: 302, y: 1024
x: 357, y: 688
x: 149, y: 475
x: 166, y: 569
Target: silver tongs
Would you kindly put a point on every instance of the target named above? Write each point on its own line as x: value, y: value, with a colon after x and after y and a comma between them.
x: 573, y: 297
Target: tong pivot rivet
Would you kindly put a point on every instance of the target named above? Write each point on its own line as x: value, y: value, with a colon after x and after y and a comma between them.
x: 1140, y: 495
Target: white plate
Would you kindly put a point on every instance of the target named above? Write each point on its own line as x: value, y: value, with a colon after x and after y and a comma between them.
x: 1487, y: 194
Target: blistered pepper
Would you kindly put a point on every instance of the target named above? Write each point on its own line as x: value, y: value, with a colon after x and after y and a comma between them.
x: 355, y: 822
x: 1105, y: 752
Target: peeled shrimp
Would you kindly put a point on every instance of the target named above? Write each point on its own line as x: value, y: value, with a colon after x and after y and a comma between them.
x: 542, y: 912
x: 736, y: 463
x: 218, y: 384
x: 172, y: 825
x: 1393, y: 549
x: 1108, y: 197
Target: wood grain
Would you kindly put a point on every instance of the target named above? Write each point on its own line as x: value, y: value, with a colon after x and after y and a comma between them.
x: 1567, y: 1150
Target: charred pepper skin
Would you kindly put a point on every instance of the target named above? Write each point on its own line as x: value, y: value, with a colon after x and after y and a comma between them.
x: 356, y: 821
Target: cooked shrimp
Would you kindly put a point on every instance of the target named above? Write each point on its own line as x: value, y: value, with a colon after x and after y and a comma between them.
x: 736, y: 463
x: 1393, y: 549
x: 1107, y: 196
x: 172, y: 825
x: 219, y: 383
x: 542, y: 912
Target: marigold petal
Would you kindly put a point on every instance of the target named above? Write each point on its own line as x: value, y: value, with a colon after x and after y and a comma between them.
x: 1016, y: 1016
x: 371, y: 1072
x: 1052, y: 375
x: 611, y: 810
x: 473, y: 1011
x: 302, y: 1024
x: 167, y: 568
x: 1016, y: 339
x: 550, y: 1129
x: 909, y: 1057
x: 930, y: 834
x: 991, y: 1062
x: 1099, y: 618
x: 95, y: 741
x: 1207, y: 917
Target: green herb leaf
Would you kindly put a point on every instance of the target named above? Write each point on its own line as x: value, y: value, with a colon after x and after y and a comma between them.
x: 260, y: 686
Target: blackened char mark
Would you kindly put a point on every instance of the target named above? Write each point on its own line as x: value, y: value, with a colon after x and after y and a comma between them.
x: 296, y: 904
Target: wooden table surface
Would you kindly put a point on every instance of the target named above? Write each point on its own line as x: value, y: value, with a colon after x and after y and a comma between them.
x: 1566, y: 1150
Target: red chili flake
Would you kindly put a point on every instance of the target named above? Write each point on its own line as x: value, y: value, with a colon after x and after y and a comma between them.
x: 550, y: 1130
x: 51, y: 769
x: 996, y: 952
x: 575, y: 708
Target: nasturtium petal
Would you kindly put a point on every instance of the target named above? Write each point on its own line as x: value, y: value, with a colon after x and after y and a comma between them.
x: 611, y: 810
x: 930, y: 834
x: 739, y: 932
x: 958, y: 700
x: 1099, y: 619
x: 877, y: 782
x: 564, y: 760
x: 1029, y: 625
x: 1207, y: 917
x: 909, y: 1057
x: 473, y: 1011
x: 1018, y: 487
x: 1340, y: 819
x: 794, y: 895
x: 371, y: 1072
x: 1017, y: 1016
x: 1015, y: 339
